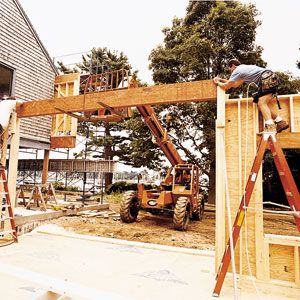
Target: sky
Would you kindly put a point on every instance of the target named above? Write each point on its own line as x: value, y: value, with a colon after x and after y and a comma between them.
x: 135, y: 27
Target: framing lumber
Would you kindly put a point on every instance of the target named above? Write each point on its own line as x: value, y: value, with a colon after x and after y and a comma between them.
x: 62, y: 142
x: 45, y: 166
x: 92, y: 118
x: 203, y: 90
x: 23, y: 220
x: 273, y: 258
x: 220, y: 182
x: 64, y: 126
x: 112, y: 110
x: 13, y: 157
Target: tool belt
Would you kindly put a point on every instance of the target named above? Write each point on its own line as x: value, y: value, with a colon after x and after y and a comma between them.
x: 268, y: 84
x: 269, y: 81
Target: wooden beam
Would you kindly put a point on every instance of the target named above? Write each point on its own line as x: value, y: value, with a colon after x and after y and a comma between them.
x: 67, y: 78
x: 113, y: 111
x: 45, y: 166
x: 286, y: 240
x: 287, y: 140
x: 204, y: 90
x: 62, y: 142
x: 69, y: 113
x: 297, y: 266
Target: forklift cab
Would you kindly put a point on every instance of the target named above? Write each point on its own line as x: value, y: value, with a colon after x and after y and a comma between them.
x: 184, y: 179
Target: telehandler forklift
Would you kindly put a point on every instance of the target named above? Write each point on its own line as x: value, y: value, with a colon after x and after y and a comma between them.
x: 178, y: 194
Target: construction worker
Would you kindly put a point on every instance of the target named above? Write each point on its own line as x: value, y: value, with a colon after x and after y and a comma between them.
x: 7, y: 105
x: 186, y: 180
x: 266, y: 83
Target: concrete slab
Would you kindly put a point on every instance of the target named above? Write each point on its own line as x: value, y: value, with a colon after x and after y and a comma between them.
x: 88, y: 267
x: 26, y: 220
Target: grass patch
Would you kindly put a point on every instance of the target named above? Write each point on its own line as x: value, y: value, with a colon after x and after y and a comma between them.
x: 114, y: 197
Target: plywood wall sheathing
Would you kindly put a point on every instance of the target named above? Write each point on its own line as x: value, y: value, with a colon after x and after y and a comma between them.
x: 64, y: 127
x: 269, y: 259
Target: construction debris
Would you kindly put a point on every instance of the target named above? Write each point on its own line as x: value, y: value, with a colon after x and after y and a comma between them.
x: 100, y: 214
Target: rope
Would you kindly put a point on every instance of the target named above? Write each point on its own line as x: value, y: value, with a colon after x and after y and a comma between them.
x: 229, y: 223
x: 276, y: 204
x: 282, y: 212
x: 273, y: 203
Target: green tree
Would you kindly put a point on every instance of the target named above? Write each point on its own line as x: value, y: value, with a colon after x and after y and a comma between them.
x: 288, y: 84
x: 128, y: 141
x: 298, y: 63
x: 197, y: 47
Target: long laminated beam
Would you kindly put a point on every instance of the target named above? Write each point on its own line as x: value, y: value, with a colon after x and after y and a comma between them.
x: 203, y: 90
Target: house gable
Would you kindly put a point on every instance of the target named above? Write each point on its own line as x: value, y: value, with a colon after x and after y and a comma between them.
x: 34, y: 71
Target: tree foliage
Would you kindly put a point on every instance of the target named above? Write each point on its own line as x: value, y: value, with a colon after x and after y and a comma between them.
x: 115, y: 140
x: 197, y: 47
x: 101, y: 60
x: 288, y: 84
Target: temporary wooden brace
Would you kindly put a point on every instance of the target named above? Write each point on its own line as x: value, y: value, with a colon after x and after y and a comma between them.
x: 14, y: 131
x: 20, y: 194
x: 42, y: 193
x: 220, y: 182
x: 37, y: 196
x: 49, y: 192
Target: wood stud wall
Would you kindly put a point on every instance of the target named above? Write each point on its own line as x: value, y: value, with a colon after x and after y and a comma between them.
x: 272, y: 257
x: 64, y: 127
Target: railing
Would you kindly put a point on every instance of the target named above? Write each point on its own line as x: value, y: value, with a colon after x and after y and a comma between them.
x: 112, y: 80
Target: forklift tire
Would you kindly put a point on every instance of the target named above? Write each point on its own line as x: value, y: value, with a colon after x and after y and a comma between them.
x: 181, y: 214
x: 129, y: 207
x: 199, y: 212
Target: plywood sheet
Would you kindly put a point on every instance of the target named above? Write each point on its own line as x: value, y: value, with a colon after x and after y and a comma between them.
x: 282, y: 262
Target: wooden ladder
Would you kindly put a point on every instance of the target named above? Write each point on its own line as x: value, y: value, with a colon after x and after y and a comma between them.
x: 290, y: 188
x: 6, y: 209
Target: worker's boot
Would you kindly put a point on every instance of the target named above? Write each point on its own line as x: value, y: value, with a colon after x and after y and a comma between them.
x: 270, y: 128
x: 281, y: 125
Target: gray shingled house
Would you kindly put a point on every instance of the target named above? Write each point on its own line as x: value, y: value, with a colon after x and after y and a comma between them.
x: 26, y: 70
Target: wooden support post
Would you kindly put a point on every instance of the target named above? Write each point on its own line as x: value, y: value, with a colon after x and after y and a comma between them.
x: 45, y: 166
x: 13, y: 157
x: 220, y: 182
x: 297, y: 266
x: 260, y: 251
x: 291, y: 111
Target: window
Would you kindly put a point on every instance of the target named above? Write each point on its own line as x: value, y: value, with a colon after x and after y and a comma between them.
x: 6, y: 81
